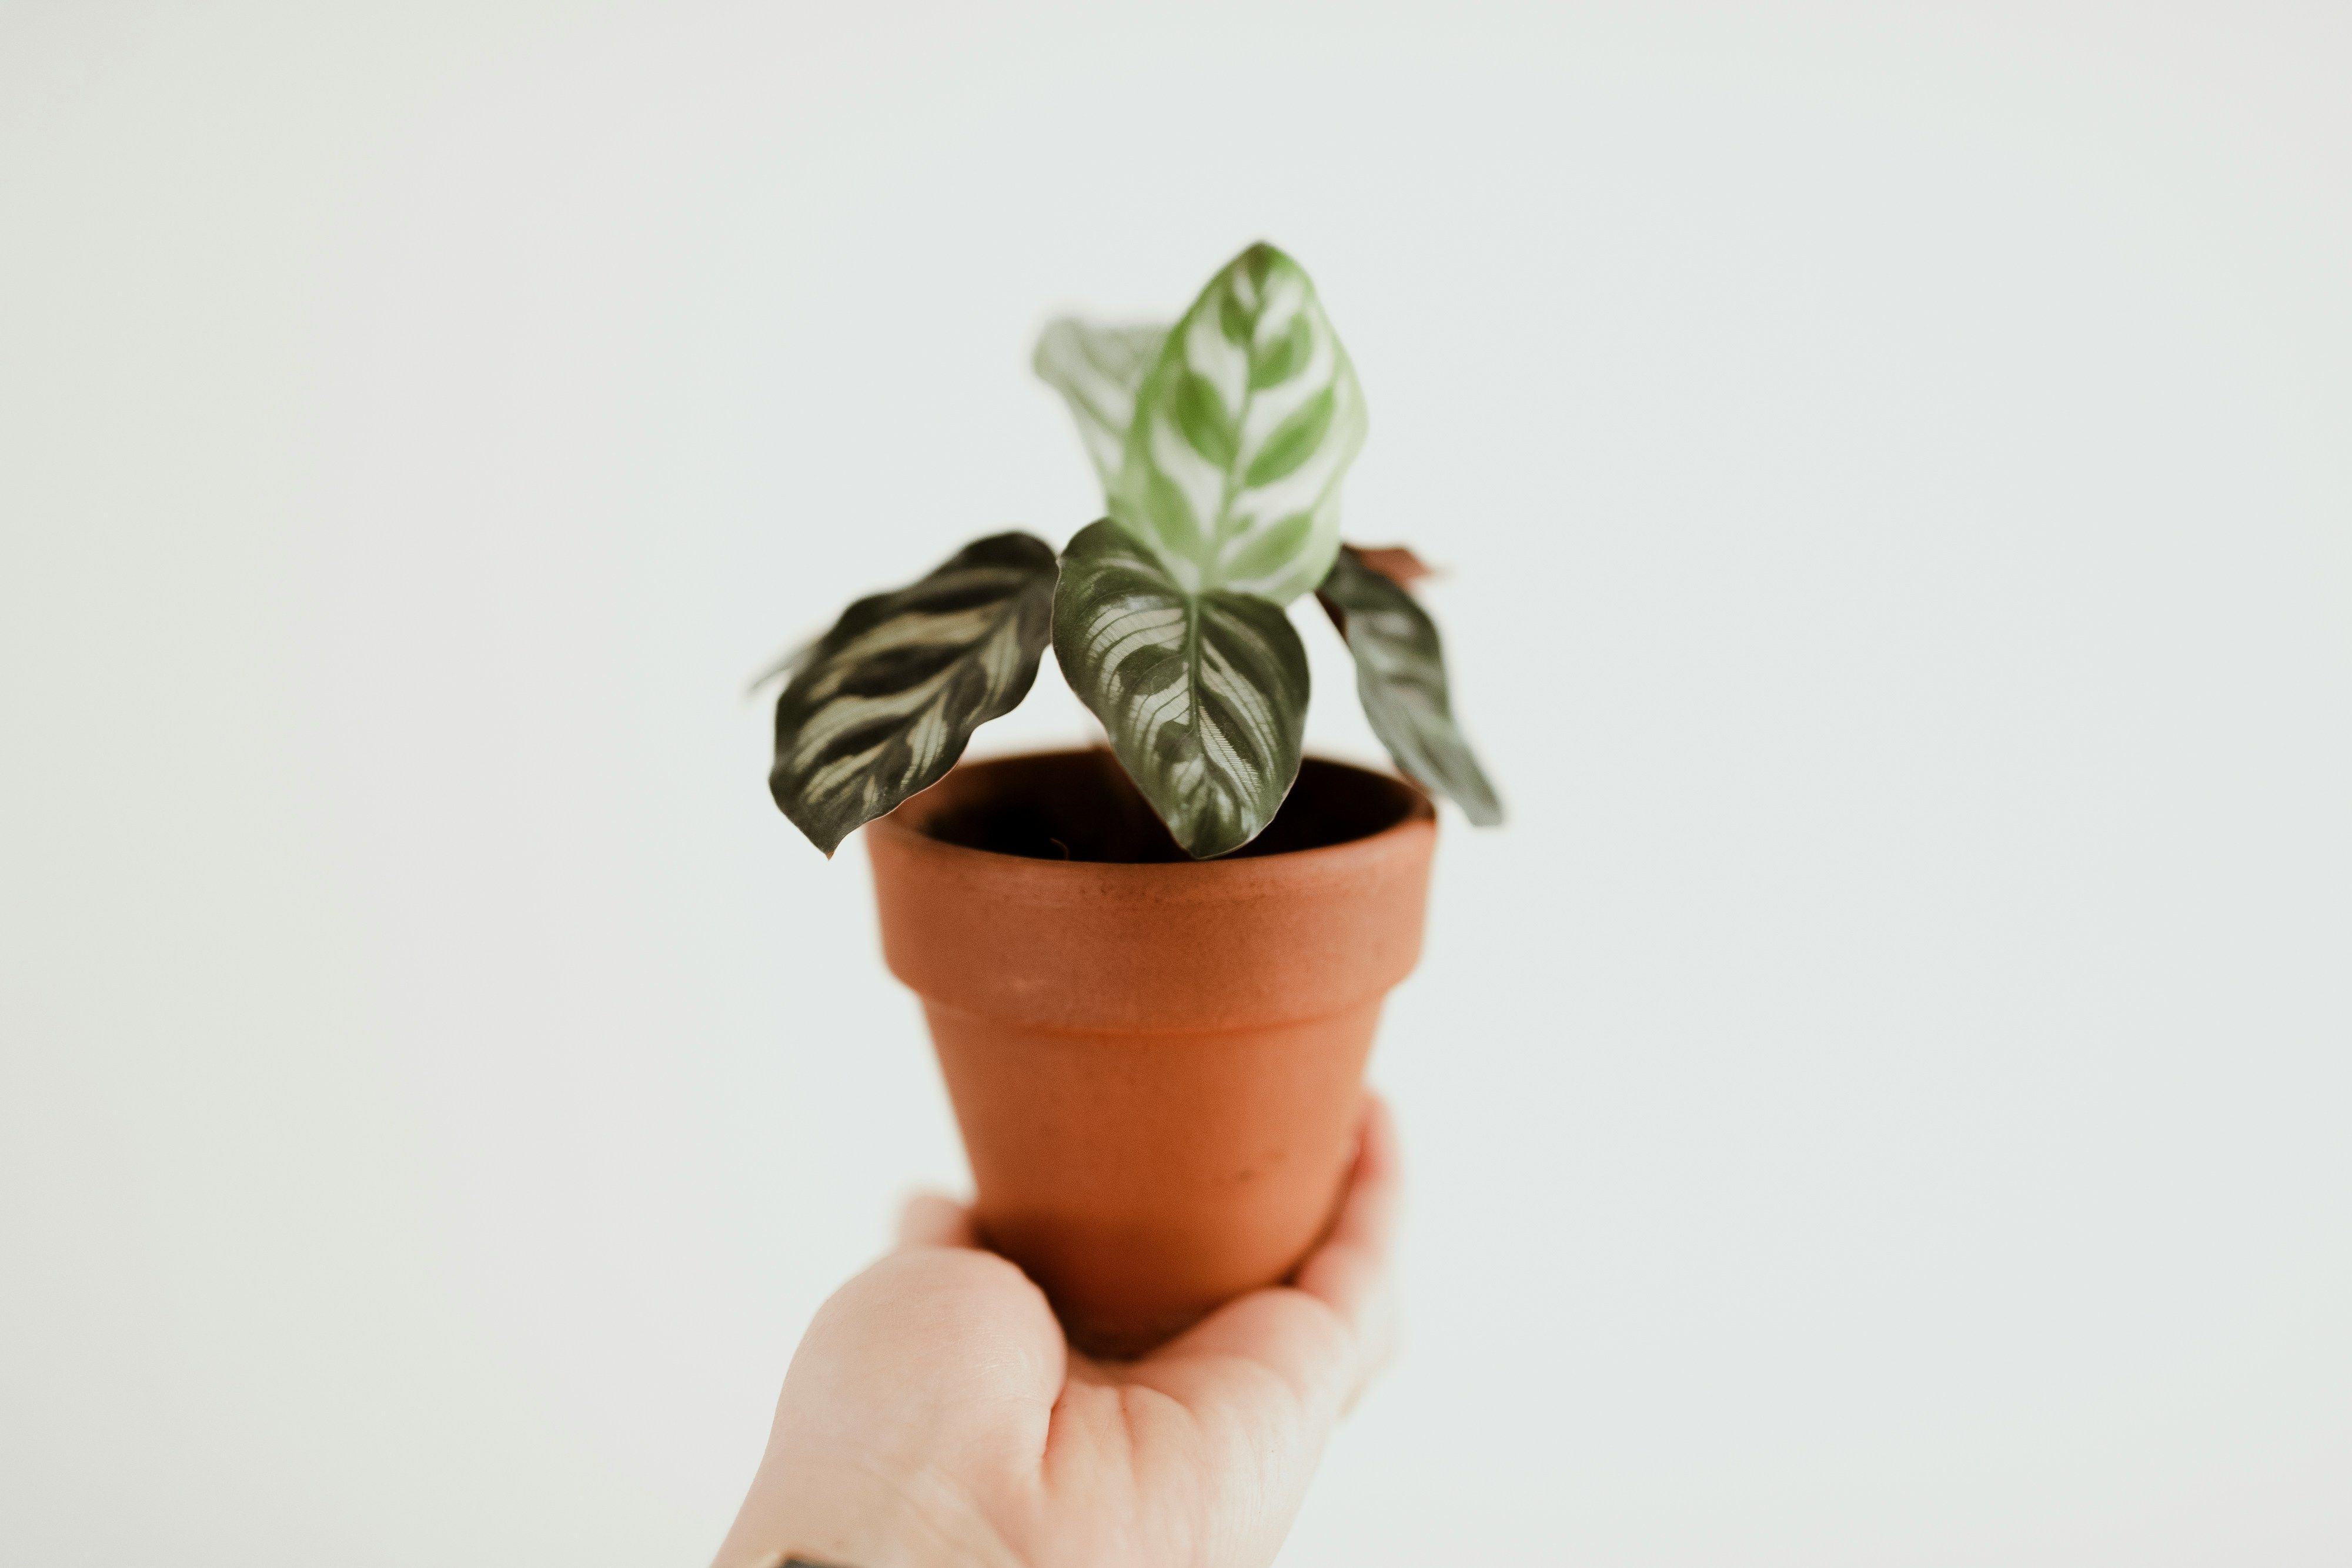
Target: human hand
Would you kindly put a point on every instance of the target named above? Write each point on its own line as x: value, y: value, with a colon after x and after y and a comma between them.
x: 934, y: 1416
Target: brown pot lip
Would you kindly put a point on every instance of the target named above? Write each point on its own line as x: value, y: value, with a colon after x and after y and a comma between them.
x: 1209, y: 877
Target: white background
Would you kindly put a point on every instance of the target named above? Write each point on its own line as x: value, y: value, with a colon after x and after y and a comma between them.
x: 1883, y: 1100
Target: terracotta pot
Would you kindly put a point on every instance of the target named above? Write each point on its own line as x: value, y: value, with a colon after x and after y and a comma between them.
x: 1157, y: 1062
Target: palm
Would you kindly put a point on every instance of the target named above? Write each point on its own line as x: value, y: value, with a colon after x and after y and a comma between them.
x: 935, y: 1414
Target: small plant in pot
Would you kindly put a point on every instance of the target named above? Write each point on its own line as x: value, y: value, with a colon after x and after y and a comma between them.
x: 1151, y: 972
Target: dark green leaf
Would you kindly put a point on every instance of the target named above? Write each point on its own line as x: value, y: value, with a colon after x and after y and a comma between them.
x: 1400, y: 677
x: 784, y: 666
x: 883, y: 705
x: 1203, y: 694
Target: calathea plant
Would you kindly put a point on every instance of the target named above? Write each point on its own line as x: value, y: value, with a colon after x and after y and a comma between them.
x: 1221, y: 442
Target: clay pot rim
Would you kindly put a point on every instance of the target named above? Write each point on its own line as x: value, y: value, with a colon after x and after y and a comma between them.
x: 1221, y: 877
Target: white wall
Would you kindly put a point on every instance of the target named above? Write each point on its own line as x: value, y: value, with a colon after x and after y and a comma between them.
x: 1883, y: 1101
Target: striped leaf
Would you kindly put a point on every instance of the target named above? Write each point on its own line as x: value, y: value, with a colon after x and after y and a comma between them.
x: 785, y: 664
x: 1242, y: 431
x: 1400, y: 677
x: 1203, y: 694
x: 1096, y: 371
x: 883, y: 705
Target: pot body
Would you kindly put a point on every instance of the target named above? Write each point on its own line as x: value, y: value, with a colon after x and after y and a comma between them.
x: 1158, y: 1068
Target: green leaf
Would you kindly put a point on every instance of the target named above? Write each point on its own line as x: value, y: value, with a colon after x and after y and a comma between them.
x: 1233, y: 321
x: 1200, y: 415
x: 1274, y: 545
x: 1294, y: 441
x: 1250, y: 413
x: 883, y: 705
x: 1400, y: 677
x: 1280, y: 360
x: 1203, y: 694
x: 1096, y: 371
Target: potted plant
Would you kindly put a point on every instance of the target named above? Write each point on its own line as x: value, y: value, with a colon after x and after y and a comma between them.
x: 1151, y: 973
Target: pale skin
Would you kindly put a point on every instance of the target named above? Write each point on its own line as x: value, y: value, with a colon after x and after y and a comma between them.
x: 935, y: 1418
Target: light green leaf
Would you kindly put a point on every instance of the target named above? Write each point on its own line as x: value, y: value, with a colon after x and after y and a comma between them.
x: 1201, y: 414
x: 1096, y: 371
x: 1400, y: 677
x: 1294, y: 441
x: 1249, y: 419
x: 1203, y: 694
x: 884, y: 703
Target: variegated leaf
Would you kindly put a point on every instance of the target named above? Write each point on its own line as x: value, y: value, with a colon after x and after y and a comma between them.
x: 883, y: 705
x: 1096, y: 371
x: 785, y: 664
x: 1242, y: 432
x: 1203, y: 694
x: 1400, y: 677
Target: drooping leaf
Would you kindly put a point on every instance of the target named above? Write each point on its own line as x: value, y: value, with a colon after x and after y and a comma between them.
x: 883, y: 705
x: 1400, y: 677
x: 1241, y: 435
x: 1203, y: 693
x: 1096, y: 371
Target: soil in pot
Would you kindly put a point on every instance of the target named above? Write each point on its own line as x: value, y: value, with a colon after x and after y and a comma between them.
x: 1157, y: 1062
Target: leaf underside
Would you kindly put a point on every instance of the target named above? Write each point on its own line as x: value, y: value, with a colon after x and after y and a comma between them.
x: 1395, y: 562
x: 1203, y: 693
x: 1096, y: 370
x: 883, y: 703
x: 1242, y: 431
x: 1400, y: 677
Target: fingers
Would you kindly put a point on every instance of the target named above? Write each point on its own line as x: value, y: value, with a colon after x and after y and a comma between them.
x: 931, y: 1219
x: 1349, y: 1273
